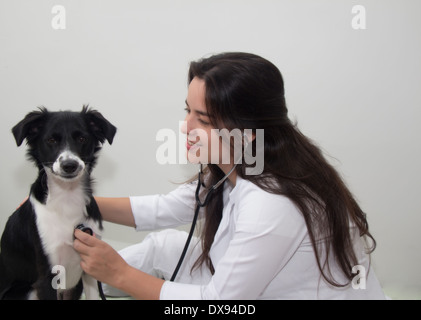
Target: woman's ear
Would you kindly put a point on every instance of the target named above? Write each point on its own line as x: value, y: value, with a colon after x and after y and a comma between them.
x: 248, y: 136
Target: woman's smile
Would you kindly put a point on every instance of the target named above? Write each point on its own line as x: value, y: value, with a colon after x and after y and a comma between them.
x: 191, y: 144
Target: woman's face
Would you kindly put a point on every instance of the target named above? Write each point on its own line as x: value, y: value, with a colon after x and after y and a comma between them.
x: 203, y: 144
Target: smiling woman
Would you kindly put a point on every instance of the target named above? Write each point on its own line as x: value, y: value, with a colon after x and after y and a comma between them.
x: 293, y: 230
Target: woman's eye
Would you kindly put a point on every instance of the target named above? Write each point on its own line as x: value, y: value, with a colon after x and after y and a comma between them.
x: 203, y: 122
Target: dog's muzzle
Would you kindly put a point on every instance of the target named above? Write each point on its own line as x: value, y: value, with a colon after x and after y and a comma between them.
x: 68, y: 165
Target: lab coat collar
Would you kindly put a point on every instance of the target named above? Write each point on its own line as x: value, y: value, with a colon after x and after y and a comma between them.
x: 233, y: 190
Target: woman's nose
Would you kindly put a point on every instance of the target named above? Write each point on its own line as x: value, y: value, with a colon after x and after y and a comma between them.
x: 183, y: 127
x: 187, y: 125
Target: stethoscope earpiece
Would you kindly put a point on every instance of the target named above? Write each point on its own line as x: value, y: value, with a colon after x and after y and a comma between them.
x: 246, y: 140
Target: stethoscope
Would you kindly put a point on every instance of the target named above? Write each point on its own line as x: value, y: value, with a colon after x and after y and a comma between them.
x: 199, y: 204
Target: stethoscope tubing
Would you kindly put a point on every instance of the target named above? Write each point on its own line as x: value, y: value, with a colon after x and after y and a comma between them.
x: 199, y: 204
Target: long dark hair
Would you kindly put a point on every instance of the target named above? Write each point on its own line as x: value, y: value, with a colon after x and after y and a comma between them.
x: 245, y: 91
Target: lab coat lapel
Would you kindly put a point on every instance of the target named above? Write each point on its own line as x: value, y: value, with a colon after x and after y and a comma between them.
x: 226, y: 227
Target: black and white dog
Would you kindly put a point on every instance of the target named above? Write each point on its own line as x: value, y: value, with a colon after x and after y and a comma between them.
x: 37, y: 259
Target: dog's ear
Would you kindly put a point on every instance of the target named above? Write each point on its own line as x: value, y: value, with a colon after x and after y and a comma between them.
x: 99, y: 126
x: 30, y: 126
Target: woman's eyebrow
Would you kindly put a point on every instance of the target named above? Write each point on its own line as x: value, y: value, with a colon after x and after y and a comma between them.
x: 198, y: 111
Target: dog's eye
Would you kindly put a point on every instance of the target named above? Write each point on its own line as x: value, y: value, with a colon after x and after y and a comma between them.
x: 51, y: 141
x: 81, y: 139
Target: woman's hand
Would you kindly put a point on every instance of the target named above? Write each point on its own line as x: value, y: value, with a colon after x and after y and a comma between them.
x: 103, y: 263
x: 99, y: 259
x: 26, y: 199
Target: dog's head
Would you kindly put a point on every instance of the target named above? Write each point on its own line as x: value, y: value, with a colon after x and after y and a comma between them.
x: 64, y: 143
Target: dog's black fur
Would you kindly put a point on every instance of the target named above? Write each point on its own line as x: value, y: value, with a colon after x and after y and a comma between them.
x: 25, y: 266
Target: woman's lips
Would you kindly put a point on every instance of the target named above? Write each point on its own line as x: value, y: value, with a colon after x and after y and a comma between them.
x: 190, y: 144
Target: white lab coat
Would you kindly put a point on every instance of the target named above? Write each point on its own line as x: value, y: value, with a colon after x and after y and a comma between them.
x: 261, y: 249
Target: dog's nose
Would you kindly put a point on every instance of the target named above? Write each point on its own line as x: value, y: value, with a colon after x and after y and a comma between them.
x: 69, y: 166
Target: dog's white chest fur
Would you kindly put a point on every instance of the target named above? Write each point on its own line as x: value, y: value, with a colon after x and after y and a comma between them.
x: 64, y: 210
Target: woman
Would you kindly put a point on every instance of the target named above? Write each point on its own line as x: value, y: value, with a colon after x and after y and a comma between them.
x: 292, y: 231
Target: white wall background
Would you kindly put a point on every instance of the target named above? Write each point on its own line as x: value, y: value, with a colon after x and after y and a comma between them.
x: 355, y: 92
